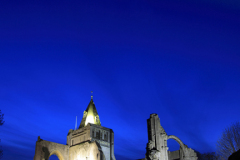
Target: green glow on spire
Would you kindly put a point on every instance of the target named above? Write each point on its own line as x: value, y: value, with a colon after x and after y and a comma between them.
x: 90, y: 115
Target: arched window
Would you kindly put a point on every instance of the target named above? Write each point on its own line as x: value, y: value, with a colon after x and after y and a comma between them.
x: 93, y: 133
x: 100, y: 135
x: 106, y: 136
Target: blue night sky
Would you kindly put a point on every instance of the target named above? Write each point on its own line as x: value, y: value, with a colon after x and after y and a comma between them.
x: 177, y: 58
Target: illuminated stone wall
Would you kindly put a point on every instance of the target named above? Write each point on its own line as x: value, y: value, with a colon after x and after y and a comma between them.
x: 44, y: 149
x: 157, y: 143
x: 94, y: 133
x: 86, y: 151
x: 78, y: 136
x: 92, y: 142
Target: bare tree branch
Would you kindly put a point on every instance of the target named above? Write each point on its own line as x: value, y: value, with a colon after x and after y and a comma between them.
x: 229, y: 142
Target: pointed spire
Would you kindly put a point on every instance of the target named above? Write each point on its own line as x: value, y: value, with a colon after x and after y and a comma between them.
x: 90, y: 115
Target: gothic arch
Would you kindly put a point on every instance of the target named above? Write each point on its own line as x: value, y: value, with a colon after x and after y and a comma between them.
x: 179, y: 142
x: 44, y: 149
x: 57, y: 153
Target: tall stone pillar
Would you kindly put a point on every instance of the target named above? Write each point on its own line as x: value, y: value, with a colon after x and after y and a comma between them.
x: 157, y: 140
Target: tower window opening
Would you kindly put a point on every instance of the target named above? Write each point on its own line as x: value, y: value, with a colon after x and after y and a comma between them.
x: 106, y: 136
x: 96, y: 119
x: 98, y: 134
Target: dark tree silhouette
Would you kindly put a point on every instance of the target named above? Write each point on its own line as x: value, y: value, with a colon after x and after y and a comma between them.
x: 235, y: 156
x: 1, y: 123
x: 229, y: 142
x: 1, y: 118
x: 207, y: 156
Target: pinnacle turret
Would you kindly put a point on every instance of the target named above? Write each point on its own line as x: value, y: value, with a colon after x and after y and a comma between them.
x: 90, y: 115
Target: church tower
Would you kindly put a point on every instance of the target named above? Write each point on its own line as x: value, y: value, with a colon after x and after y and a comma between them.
x: 90, y: 141
x: 90, y: 130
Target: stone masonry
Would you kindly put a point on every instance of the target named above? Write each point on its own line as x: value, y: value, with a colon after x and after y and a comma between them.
x: 157, y: 143
x: 90, y: 141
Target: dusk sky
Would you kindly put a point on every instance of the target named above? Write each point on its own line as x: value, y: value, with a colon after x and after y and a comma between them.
x: 177, y: 58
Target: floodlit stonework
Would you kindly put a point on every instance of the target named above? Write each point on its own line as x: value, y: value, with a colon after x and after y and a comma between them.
x: 157, y: 143
x: 90, y: 141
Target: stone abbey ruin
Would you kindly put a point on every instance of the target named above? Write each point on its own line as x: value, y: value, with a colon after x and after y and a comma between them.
x: 91, y: 141
x: 157, y: 148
